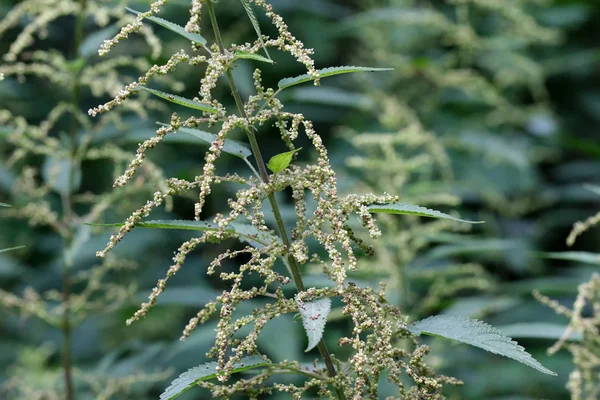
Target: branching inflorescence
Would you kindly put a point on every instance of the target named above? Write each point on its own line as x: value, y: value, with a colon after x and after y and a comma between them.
x: 378, y: 327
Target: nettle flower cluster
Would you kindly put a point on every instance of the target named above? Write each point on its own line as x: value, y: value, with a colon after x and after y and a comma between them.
x: 378, y: 326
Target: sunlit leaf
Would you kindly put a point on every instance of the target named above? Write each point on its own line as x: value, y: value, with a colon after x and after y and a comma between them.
x: 5, y: 205
x: 180, y: 30
x: 207, y: 371
x: 411, y: 209
x: 478, y: 334
x: 314, y: 316
x: 281, y: 161
x: 252, y: 56
x: 323, y: 73
x: 182, y: 101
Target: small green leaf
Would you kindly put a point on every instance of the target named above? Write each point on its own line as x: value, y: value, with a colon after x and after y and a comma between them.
x: 11, y: 249
x: 232, y: 147
x: 478, y: 334
x: 255, y: 24
x: 182, y: 101
x: 180, y: 30
x: 244, y: 231
x: 323, y: 73
x: 411, y: 209
x: 207, y: 371
x: 252, y: 56
x: 281, y: 161
x: 578, y: 256
x: 314, y: 316
x: 5, y: 205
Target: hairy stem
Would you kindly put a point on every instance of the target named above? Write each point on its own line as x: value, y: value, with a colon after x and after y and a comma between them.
x: 295, y: 270
x: 68, y: 210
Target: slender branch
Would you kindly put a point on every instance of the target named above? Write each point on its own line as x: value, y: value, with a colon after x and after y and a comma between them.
x: 68, y: 209
x: 297, y: 277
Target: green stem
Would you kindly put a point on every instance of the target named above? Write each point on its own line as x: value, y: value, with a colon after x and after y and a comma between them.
x: 68, y: 210
x: 262, y: 168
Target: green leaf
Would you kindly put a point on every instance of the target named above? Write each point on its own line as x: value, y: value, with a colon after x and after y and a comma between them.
x: 538, y: 330
x: 593, y: 188
x: 314, y: 316
x: 255, y: 24
x: 11, y: 249
x: 252, y: 56
x: 180, y: 30
x: 182, y: 101
x: 478, y: 334
x: 207, y: 371
x: 244, y: 231
x: 232, y: 147
x: 411, y: 209
x: 56, y: 172
x: 578, y: 256
x: 281, y: 161
x: 323, y: 73
x: 5, y: 205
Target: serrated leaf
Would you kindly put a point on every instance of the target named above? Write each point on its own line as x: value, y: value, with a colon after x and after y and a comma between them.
x: 207, y: 371
x: 314, y: 317
x: 411, y: 209
x: 182, y: 101
x: 5, y: 205
x: 578, y: 256
x: 538, y: 330
x: 323, y: 73
x: 252, y: 56
x: 245, y: 232
x: 232, y: 147
x: 255, y: 24
x: 11, y: 249
x: 180, y: 30
x: 281, y: 161
x: 478, y: 334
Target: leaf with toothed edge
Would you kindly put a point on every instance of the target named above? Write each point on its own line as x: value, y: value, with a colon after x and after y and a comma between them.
x: 324, y: 73
x: 411, y: 209
x: 245, y: 232
x: 232, y: 147
x: 314, y: 317
x: 207, y: 371
x: 180, y: 30
x: 478, y: 334
x: 182, y: 101
x: 255, y: 24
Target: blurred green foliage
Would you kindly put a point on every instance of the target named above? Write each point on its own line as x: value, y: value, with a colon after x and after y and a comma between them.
x: 495, y: 108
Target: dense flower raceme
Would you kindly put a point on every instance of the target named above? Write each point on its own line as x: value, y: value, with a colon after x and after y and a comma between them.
x: 378, y: 326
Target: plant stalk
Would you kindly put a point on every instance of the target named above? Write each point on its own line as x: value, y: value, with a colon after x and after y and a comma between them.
x: 68, y: 210
x: 294, y: 268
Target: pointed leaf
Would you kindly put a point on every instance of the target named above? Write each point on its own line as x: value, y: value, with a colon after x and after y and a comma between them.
x: 245, y: 232
x: 578, y: 256
x: 11, y: 249
x: 314, y: 316
x: 182, y: 101
x: 323, y: 73
x: 255, y: 24
x: 5, y: 205
x: 281, y: 161
x: 252, y: 56
x: 411, y: 209
x: 232, y: 147
x: 478, y: 334
x: 194, y: 37
x: 207, y: 371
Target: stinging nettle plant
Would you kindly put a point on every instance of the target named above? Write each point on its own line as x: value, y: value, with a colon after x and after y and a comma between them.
x: 381, y: 343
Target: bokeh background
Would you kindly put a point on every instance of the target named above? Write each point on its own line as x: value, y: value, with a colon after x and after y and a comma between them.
x: 493, y: 110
